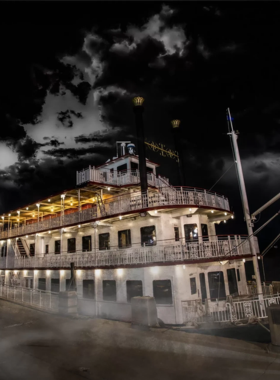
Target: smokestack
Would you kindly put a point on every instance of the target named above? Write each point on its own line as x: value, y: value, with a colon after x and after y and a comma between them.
x: 138, y: 111
x: 178, y: 147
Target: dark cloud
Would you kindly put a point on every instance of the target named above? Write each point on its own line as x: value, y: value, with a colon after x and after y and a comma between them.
x: 74, y: 153
x: 65, y: 117
x: 81, y: 91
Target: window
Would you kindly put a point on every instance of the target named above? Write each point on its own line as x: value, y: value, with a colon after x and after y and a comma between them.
x: 32, y: 249
x: 191, y: 232
x: 162, y: 292
x: 109, y: 290
x: 57, y: 247
x: 47, y: 249
x: 204, y: 231
x: 71, y: 245
x: 148, y: 235
x: 124, y: 239
x: 4, y: 251
x: 31, y: 283
x: 238, y: 274
x: 203, y: 287
x: 176, y: 233
x: 86, y: 242
x: 42, y: 283
x: 26, y: 282
x: 193, y: 285
x: 55, y: 285
x: 232, y: 282
x: 133, y: 289
x: 88, y: 289
x: 122, y: 168
x: 134, y: 165
x: 104, y: 241
x: 216, y: 285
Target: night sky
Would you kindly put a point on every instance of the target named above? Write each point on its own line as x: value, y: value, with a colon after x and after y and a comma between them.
x: 69, y: 72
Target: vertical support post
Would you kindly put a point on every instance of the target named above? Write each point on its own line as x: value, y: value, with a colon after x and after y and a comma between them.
x: 246, y: 210
x: 177, y: 140
x: 138, y: 112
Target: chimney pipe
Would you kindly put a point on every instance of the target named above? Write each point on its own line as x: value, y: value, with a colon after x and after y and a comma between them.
x: 178, y: 147
x: 138, y: 112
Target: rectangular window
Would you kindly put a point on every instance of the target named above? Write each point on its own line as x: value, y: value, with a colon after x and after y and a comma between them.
x: 55, y: 285
x: 47, y: 249
x: 134, y: 165
x: 176, y: 233
x: 71, y: 245
x: 203, y: 287
x: 133, y: 289
x: 162, y: 292
x: 238, y: 274
x: 26, y: 282
x: 216, y: 285
x: 88, y: 289
x: 232, y: 282
x: 148, y: 235
x: 109, y: 290
x: 104, y: 241
x: 124, y: 239
x: 57, y: 247
x: 32, y: 249
x: 42, y: 283
x: 86, y: 242
x: 122, y: 169
x: 193, y: 285
x: 31, y: 283
x: 191, y: 232
x: 204, y: 231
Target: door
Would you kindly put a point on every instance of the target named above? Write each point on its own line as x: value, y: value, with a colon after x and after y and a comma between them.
x: 203, y: 287
x: 232, y: 282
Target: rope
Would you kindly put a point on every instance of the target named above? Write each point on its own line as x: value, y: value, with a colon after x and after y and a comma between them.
x: 222, y: 176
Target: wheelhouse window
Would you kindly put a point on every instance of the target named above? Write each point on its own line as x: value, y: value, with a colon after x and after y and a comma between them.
x: 86, y: 243
x: 193, y: 285
x: 162, y: 292
x: 32, y: 249
x: 57, y: 247
x: 109, y: 290
x: 191, y: 232
x: 176, y: 233
x: 88, y: 289
x: 232, y: 282
x: 47, y: 248
x: 148, y: 235
x: 104, y: 241
x: 122, y: 169
x: 124, y: 239
x: 133, y: 289
x: 204, y: 231
x: 216, y: 285
x: 71, y: 245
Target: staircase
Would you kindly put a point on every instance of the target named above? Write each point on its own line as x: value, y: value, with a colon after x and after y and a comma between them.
x: 21, y: 248
x: 100, y: 204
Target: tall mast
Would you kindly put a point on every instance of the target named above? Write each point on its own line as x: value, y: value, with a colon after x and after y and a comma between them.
x: 245, y: 204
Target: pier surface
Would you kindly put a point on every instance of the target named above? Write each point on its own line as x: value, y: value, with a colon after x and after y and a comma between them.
x: 34, y: 344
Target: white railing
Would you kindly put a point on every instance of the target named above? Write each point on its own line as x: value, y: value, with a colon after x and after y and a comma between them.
x: 223, y: 311
x: 125, y: 204
x: 178, y: 253
x: 35, y: 297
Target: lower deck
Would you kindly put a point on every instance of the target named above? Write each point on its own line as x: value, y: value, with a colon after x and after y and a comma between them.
x: 107, y: 292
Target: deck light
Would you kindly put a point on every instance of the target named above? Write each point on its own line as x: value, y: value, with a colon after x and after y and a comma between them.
x: 25, y: 272
x: 49, y: 232
x: 17, y: 219
x: 232, y: 216
x: 9, y: 214
x: 244, y: 260
x: 79, y: 226
x: 225, y: 221
x: 190, y: 209
x: 79, y: 272
x: 97, y: 272
x: 155, y: 211
x: 62, y: 271
x: 18, y: 212
x: 51, y: 209
x: 212, y: 211
x: 35, y: 271
x: 33, y: 215
x: 16, y: 238
x: 48, y: 272
x: 184, y: 266
x: 71, y: 204
x: 15, y: 271
x: 120, y: 217
x: 26, y: 236
x: 26, y: 208
x: 108, y: 188
x: 38, y: 205
x: 225, y: 213
x: 259, y: 257
x: 120, y: 272
x: 49, y: 200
